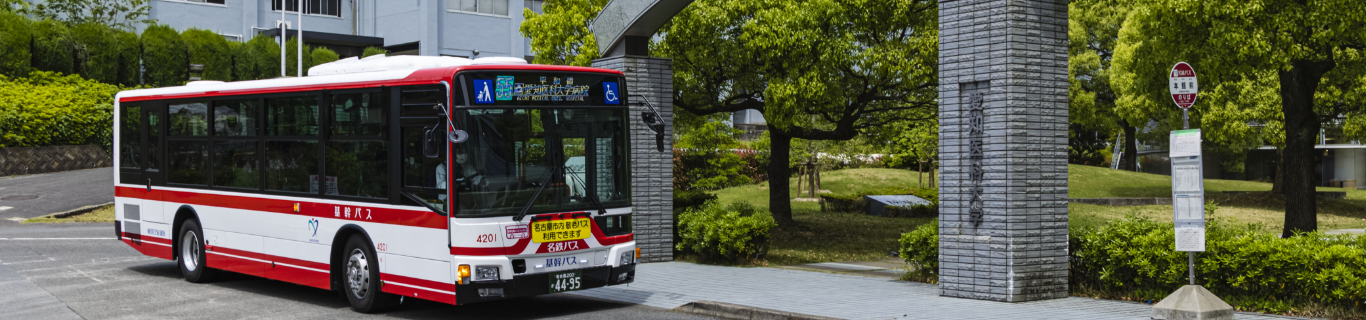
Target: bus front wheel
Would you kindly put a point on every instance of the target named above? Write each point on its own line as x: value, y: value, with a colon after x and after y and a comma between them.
x: 191, y: 256
x: 360, y: 272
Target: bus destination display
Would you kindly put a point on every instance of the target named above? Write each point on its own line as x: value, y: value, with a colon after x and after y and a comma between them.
x: 543, y: 89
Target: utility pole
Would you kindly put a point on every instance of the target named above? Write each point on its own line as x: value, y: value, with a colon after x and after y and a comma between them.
x: 300, y: 61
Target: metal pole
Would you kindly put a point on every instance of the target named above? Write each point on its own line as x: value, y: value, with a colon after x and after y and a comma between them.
x: 299, y: 70
x: 1190, y: 256
x: 283, y: 35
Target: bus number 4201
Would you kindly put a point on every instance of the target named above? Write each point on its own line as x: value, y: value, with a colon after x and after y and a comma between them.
x: 485, y: 238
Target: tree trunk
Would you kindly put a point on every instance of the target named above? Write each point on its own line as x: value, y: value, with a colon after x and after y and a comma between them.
x: 1278, y: 180
x: 1129, y: 160
x: 778, y: 190
x: 1301, y: 134
x: 920, y: 173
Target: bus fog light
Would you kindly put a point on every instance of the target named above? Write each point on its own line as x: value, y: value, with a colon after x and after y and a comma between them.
x: 628, y: 258
x: 486, y: 273
x: 491, y: 291
x: 621, y: 277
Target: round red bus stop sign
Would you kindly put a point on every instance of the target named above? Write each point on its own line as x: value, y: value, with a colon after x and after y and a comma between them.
x: 1183, y: 85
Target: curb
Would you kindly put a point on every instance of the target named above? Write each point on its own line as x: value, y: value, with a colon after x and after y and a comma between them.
x: 74, y: 212
x: 735, y: 311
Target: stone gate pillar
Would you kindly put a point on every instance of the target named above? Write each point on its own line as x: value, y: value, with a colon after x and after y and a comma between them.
x: 651, y: 170
x: 1003, y: 149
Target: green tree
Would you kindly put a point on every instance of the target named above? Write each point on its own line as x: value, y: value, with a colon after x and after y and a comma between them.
x: 15, y: 37
x: 97, y: 54
x: 323, y: 55
x: 1093, y: 28
x: 129, y: 48
x: 572, y: 43
x: 292, y: 57
x: 815, y: 69
x: 121, y: 14
x: 1309, y: 46
x: 917, y: 148
x: 52, y: 49
x: 714, y: 141
x: 164, y: 57
x: 370, y: 51
x: 211, y: 50
x: 264, y: 56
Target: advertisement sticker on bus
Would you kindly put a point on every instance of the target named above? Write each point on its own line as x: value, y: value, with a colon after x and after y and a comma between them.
x: 515, y: 232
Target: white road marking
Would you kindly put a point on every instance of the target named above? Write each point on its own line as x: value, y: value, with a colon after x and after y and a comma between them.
x: 3, y: 239
x: 5, y: 208
x: 16, y: 219
x: 87, y: 275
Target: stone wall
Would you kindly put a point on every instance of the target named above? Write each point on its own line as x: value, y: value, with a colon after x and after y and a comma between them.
x: 651, y: 170
x: 31, y: 160
x: 1003, y: 149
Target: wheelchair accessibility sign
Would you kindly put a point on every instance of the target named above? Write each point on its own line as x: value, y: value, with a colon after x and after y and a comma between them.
x: 609, y: 93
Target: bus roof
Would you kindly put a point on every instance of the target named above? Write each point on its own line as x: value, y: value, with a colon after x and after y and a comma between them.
x: 350, y: 73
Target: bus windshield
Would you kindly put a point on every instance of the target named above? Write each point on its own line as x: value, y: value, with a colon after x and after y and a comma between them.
x: 573, y: 156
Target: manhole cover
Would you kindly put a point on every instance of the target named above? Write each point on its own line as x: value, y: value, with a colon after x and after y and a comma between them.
x: 20, y: 197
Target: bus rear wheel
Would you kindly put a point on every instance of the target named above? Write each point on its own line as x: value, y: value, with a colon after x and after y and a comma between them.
x: 360, y: 277
x: 191, y: 256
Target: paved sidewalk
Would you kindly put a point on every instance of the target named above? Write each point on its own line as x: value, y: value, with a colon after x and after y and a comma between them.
x: 673, y: 284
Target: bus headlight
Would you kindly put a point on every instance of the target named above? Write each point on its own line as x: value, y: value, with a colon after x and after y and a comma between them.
x: 485, y: 273
x: 628, y: 257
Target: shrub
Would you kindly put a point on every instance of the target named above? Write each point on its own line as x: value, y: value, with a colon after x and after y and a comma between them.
x: 97, y: 52
x: 323, y: 55
x: 370, y: 51
x: 737, y: 232
x: 259, y: 58
x: 688, y: 199
x: 915, y: 211
x: 52, y: 49
x: 164, y: 56
x: 47, y: 108
x: 292, y: 57
x: 211, y: 50
x: 15, y: 38
x: 920, y: 249
x: 129, y: 47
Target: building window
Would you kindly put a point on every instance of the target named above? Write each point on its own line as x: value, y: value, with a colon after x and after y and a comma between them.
x: 205, y: 1
x: 494, y: 7
x: 321, y: 7
x: 534, y: 5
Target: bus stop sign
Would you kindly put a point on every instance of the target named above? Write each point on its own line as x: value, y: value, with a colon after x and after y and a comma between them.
x: 1183, y: 85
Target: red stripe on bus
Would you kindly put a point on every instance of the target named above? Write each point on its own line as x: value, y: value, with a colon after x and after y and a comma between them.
x: 149, y: 249
x: 434, y: 285
x: 269, y: 270
x: 418, y: 293
x: 267, y: 257
x: 412, y: 218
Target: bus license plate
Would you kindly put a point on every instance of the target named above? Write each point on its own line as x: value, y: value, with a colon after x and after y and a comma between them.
x: 566, y: 281
x: 561, y: 230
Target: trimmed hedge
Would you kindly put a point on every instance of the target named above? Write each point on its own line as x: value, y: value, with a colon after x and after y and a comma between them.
x: 47, y: 108
x: 323, y: 55
x: 737, y: 232
x: 15, y: 37
x: 1134, y: 259
x: 259, y: 58
x: 130, y: 58
x: 292, y: 57
x: 97, y: 52
x: 211, y: 50
x: 52, y: 47
x: 164, y: 56
x: 370, y: 51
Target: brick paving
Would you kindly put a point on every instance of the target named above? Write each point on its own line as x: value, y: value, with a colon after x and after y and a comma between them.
x: 673, y: 284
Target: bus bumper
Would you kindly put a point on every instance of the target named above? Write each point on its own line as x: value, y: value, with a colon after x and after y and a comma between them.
x: 538, y: 284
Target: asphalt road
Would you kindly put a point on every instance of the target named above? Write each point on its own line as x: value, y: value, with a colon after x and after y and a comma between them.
x: 79, y: 271
x: 41, y: 194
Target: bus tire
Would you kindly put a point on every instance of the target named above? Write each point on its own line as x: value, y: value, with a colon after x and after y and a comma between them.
x: 191, y: 257
x: 360, y: 277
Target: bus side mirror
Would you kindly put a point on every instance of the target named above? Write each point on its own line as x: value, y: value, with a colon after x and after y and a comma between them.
x: 432, y: 140
x: 656, y: 124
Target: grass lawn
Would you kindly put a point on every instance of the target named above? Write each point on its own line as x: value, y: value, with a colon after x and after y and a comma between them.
x: 838, y: 236
x: 102, y: 214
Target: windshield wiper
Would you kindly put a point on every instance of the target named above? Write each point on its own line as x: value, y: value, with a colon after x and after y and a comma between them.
x: 589, y: 195
x: 424, y: 203
x: 544, y: 181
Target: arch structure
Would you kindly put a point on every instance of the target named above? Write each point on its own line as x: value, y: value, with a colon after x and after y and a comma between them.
x: 624, y: 27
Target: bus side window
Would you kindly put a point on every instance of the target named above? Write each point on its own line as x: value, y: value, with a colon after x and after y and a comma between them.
x: 130, y: 138
x: 357, y: 154
x: 421, y: 176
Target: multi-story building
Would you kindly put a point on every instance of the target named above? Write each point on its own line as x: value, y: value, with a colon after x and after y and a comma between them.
x: 462, y: 28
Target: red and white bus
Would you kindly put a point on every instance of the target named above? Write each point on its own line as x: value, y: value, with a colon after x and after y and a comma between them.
x: 438, y: 178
